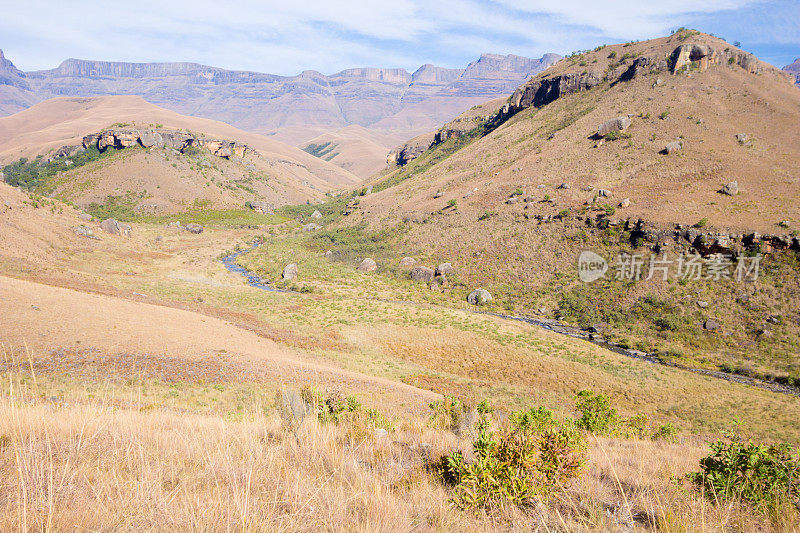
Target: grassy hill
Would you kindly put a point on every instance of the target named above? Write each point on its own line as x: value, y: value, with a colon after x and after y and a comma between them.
x: 515, y: 200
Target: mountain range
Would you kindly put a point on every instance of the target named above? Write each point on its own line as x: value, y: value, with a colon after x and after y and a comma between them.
x: 395, y: 103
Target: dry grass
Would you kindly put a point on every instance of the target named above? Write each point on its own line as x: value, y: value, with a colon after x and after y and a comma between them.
x: 91, y: 464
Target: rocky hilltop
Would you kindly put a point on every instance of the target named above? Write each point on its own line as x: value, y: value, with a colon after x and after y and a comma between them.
x: 794, y: 70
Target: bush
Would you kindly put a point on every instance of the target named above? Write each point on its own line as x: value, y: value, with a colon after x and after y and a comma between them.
x: 597, y: 414
x: 767, y: 476
x: 513, y: 465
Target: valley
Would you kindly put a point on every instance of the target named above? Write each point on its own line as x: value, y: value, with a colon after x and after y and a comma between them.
x: 205, y: 327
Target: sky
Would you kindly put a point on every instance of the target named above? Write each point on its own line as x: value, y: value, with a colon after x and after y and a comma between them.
x: 328, y: 36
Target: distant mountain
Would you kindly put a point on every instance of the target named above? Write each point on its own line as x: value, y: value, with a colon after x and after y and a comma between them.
x: 794, y: 70
x: 15, y: 93
x: 295, y: 109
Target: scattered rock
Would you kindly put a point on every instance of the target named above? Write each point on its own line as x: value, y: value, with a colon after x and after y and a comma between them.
x: 702, y: 304
x: 329, y: 253
x: 311, y: 227
x: 444, y: 269
x: 512, y: 200
x: 438, y: 194
x: 564, y: 186
x: 83, y: 231
x: 290, y: 271
x: 85, y: 216
x: 113, y: 227
x: 672, y: 147
x: 407, y: 262
x: 604, y: 193
x: 194, y: 228
x: 479, y: 297
x: 367, y: 265
x: 316, y: 214
x: 616, y: 124
x: 422, y: 273
x: 711, y: 325
x: 741, y: 138
x: 625, y: 203
x: 731, y: 189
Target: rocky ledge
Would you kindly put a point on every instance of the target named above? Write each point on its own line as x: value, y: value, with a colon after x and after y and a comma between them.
x: 119, y: 138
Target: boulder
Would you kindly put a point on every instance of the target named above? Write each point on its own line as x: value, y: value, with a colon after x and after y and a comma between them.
x: 311, y: 227
x: 731, y: 189
x: 316, y: 214
x: 329, y: 253
x: 711, y: 325
x: 407, y: 262
x: 702, y: 304
x: 625, y: 203
x: 111, y: 226
x: 125, y: 229
x: 193, y: 228
x: 367, y: 265
x: 616, y: 124
x: 290, y: 271
x: 149, y: 139
x: 563, y: 186
x: 741, y: 138
x: 672, y: 147
x: 479, y: 297
x: 444, y: 269
x: 85, y: 216
x: 604, y: 193
x: 422, y: 273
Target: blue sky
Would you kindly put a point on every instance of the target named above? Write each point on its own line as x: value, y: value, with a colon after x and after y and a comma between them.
x: 288, y: 37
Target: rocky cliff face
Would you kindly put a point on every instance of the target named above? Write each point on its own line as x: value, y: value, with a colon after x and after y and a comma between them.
x: 15, y: 93
x: 11, y: 75
x: 794, y: 70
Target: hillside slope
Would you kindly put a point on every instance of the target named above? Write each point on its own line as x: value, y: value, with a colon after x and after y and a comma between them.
x: 513, y: 201
x: 270, y: 171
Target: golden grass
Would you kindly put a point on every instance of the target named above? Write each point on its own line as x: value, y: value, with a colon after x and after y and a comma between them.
x: 87, y: 465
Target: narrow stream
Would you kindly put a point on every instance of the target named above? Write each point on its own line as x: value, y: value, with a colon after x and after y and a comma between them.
x: 229, y: 261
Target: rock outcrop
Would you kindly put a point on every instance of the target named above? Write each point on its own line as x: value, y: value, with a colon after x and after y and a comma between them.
x: 120, y: 138
x: 113, y: 227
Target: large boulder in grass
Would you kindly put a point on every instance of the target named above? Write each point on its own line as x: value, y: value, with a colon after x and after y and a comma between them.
x: 731, y: 189
x: 290, y: 271
x: 444, y: 269
x: 422, y: 273
x: 479, y: 297
x: 194, y: 228
x: 316, y: 214
x: 615, y: 124
x: 367, y: 265
x: 407, y: 262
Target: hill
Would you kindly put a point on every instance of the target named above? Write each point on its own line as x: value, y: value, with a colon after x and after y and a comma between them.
x: 163, y: 178
x: 294, y: 109
x: 794, y: 70
x: 516, y: 198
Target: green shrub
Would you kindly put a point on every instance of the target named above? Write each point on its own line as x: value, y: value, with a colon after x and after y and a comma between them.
x: 767, y: 476
x: 701, y: 223
x: 514, y: 465
x: 666, y: 432
x: 597, y: 414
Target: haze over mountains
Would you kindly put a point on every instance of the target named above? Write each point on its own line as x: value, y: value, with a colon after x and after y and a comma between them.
x: 295, y: 109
